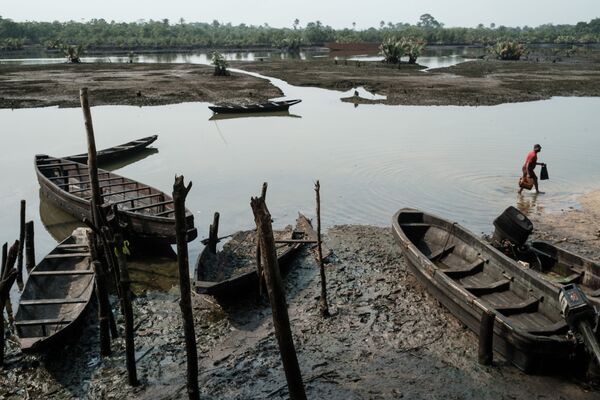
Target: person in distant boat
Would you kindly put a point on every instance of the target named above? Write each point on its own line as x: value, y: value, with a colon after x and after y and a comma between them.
x: 528, y: 168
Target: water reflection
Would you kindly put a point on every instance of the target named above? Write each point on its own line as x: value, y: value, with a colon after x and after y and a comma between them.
x: 528, y: 204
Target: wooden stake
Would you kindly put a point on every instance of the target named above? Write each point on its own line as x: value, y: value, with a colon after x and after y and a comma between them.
x: 101, y: 295
x: 281, y: 320
x: 323, y: 306
x: 259, y: 269
x: 91, y: 161
x: 29, y: 246
x: 127, y: 311
x: 8, y: 275
x: 213, y: 234
x: 486, y: 338
x: 4, y: 255
x: 180, y: 192
x: 21, y: 244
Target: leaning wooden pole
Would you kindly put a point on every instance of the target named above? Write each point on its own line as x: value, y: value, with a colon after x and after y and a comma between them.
x: 281, y: 320
x: 323, y: 306
x: 180, y: 192
x: 29, y: 246
x: 21, y: 244
x: 213, y: 234
x: 92, y: 165
x: 8, y: 275
x: 259, y: 270
x: 127, y: 310
x: 486, y: 338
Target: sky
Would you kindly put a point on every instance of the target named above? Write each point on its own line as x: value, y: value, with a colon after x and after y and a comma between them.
x: 337, y: 13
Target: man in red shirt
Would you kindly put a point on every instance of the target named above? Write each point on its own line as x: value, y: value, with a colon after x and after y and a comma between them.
x: 528, y: 167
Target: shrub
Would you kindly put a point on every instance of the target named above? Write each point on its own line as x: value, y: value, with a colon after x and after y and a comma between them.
x: 218, y: 60
x: 509, y: 50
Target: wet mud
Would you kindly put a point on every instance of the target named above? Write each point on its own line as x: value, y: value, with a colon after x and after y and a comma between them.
x: 387, y: 338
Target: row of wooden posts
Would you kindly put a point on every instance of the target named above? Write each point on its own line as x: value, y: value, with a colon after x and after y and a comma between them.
x: 11, y: 269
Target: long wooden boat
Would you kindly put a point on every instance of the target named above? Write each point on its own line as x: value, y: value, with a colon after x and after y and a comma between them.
x: 145, y: 211
x: 56, y: 295
x: 255, y: 108
x: 239, y: 283
x: 470, y: 277
x: 117, y: 152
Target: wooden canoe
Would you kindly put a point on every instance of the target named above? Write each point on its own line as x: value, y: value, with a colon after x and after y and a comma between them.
x: 240, y: 283
x: 255, y: 108
x: 56, y: 295
x: 117, y: 152
x: 470, y: 277
x: 147, y: 212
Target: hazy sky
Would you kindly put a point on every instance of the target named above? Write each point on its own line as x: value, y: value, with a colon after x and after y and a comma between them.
x: 337, y: 13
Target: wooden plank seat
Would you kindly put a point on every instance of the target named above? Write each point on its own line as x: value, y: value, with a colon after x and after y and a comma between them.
x: 33, y: 322
x: 498, y: 286
x: 57, y: 165
x: 72, y: 246
x: 148, y: 196
x: 88, y: 182
x: 107, y: 194
x: 101, y: 187
x: 162, y: 203
x: 554, y: 329
x: 63, y: 272
x: 162, y: 214
x: 474, y: 268
x: 441, y: 252
x: 67, y: 255
x: 573, y: 278
x: 526, y: 306
x: 44, y: 302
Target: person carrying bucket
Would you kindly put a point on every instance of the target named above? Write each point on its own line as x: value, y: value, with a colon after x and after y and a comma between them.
x: 529, y: 177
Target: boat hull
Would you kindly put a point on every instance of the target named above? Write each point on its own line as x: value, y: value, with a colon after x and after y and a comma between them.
x: 255, y: 108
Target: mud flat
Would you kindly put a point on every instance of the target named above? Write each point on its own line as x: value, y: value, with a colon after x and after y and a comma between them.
x: 27, y: 86
x: 472, y: 83
x: 387, y: 338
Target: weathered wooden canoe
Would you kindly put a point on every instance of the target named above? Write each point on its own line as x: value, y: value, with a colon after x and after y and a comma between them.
x: 147, y: 212
x: 469, y: 277
x: 56, y: 295
x: 117, y: 152
x: 240, y: 283
x: 269, y: 114
x: 255, y: 108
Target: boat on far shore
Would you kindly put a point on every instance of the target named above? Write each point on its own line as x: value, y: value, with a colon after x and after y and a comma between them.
x: 270, y: 106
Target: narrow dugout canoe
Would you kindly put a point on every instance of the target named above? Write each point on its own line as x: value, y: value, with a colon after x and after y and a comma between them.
x: 147, y: 212
x: 469, y: 277
x: 270, y: 106
x: 237, y: 284
x: 56, y: 296
x: 117, y: 152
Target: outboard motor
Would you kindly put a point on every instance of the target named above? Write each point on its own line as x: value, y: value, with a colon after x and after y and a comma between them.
x: 512, y: 226
x: 580, y: 315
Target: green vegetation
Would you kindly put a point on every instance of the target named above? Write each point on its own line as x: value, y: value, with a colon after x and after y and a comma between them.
x: 392, y: 49
x: 73, y: 53
x: 509, y: 50
x: 99, y: 34
x: 220, y: 64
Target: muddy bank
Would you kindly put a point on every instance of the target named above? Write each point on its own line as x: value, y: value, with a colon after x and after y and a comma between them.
x: 387, y: 338
x: 473, y: 83
x: 480, y: 82
x: 28, y: 86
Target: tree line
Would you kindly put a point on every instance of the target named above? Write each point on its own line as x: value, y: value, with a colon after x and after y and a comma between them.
x: 98, y: 33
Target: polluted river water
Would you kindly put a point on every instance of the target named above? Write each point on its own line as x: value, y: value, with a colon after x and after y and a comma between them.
x: 462, y: 163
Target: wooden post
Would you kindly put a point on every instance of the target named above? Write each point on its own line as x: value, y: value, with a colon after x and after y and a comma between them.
x: 107, y: 244
x: 4, y: 255
x: 29, y: 246
x: 281, y: 320
x: 91, y: 161
x: 21, y: 244
x: 180, y: 192
x: 323, y: 306
x: 101, y: 295
x: 213, y: 234
x: 486, y: 338
x: 8, y: 275
x: 259, y: 269
x: 127, y: 310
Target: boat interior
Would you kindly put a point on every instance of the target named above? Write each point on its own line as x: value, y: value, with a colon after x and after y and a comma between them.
x: 474, y: 266
x: 128, y: 195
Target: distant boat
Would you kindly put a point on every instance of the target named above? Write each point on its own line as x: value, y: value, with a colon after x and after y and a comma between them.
x: 255, y: 108
x: 56, y: 295
x: 117, y: 152
x: 147, y: 212
x: 220, y: 117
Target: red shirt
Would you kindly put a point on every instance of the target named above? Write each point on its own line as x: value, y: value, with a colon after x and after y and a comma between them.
x: 531, y: 159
